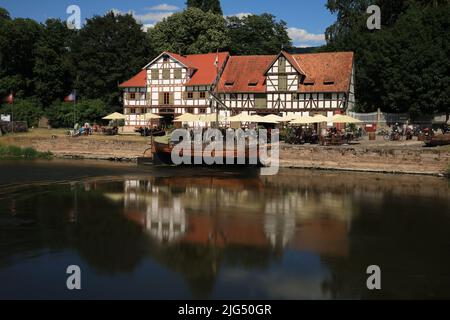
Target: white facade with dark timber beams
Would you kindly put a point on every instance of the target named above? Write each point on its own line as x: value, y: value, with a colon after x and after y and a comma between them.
x: 285, y: 84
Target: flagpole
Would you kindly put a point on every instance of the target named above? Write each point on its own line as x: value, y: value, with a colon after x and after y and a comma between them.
x: 12, y: 114
x: 217, y: 77
x: 74, y: 106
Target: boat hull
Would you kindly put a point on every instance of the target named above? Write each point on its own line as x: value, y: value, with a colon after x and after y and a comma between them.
x: 162, y: 154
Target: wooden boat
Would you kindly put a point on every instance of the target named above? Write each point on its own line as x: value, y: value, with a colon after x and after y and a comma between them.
x: 437, y: 140
x: 162, y: 153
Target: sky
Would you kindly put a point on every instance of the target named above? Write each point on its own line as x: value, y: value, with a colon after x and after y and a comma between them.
x: 306, y: 19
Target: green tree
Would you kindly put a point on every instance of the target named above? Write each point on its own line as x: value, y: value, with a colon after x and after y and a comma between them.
x: 206, y: 5
x: 403, y: 67
x: 17, y: 54
x: 53, y: 74
x: 61, y: 114
x: 418, y: 78
x: 106, y: 51
x: 4, y: 14
x: 189, y: 32
x: 349, y: 14
x: 257, y: 34
x: 91, y: 110
x: 28, y: 110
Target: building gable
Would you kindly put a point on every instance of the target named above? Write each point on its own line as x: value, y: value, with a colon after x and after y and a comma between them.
x: 284, y: 63
x: 166, y: 70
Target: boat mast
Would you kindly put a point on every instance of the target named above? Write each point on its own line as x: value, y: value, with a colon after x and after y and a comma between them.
x: 214, y: 96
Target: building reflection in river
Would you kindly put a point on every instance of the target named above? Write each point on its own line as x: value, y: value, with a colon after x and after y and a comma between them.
x: 222, y: 212
x: 205, y: 234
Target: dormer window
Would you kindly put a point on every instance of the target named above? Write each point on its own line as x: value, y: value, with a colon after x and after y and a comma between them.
x: 328, y: 81
x: 253, y: 82
x: 229, y: 82
x: 309, y: 82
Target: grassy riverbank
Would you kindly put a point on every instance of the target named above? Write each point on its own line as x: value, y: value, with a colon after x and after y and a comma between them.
x: 17, y: 153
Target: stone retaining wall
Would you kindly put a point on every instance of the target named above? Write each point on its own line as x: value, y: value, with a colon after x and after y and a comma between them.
x: 391, y: 160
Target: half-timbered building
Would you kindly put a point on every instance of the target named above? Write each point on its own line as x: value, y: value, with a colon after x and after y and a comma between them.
x: 283, y: 84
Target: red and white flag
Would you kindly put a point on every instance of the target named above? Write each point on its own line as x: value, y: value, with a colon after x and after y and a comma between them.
x: 10, y: 99
x: 71, y: 97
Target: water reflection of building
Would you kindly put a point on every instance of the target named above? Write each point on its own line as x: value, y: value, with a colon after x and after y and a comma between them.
x: 211, y: 211
x: 280, y: 222
x: 307, y: 221
x: 164, y: 220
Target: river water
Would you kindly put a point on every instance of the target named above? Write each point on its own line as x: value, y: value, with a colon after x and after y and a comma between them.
x: 188, y: 233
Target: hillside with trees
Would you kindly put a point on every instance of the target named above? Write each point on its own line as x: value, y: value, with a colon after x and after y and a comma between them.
x: 404, y: 67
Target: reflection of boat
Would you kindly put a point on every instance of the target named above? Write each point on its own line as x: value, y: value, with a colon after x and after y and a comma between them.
x: 162, y: 149
x: 438, y: 140
x: 210, y: 182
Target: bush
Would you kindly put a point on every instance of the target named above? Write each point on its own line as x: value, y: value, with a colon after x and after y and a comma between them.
x: 14, y: 152
x: 28, y: 110
x: 61, y: 114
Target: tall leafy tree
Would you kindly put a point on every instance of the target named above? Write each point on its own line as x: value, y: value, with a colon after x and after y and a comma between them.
x: 348, y: 18
x: 17, y: 54
x: 206, y: 5
x: 28, y: 110
x: 106, y: 51
x: 257, y: 34
x: 53, y: 71
x: 4, y: 14
x: 403, y: 67
x: 189, y: 32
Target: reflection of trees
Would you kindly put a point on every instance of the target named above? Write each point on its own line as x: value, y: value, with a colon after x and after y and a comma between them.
x: 111, y: 244
x: 198, y: 264
x: 411, y: 247
x: 211, y: 223
x: 101, y: 234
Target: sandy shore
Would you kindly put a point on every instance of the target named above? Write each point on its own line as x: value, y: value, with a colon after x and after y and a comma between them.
x: 370, y: 156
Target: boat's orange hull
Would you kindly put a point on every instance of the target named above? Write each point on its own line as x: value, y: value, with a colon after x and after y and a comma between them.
x: 162, y: 153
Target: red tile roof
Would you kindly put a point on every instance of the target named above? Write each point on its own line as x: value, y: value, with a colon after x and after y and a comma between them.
x: 293, y: 62
x: 241, y: 69
x: 206, y: 71
x: 183, y: 59
x: 139, y: 80
x: 326, y: 67
x: 334, y: 68
x: 202, y: 65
